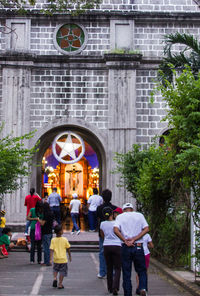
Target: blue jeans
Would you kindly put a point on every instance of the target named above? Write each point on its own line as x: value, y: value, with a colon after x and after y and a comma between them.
x: 102, y: 261
x: 46, y: 240
x: 92, y: 219
x: 28, y: 224
x: 74, y: 220
x: 56, y: 212
x: 136, y: 255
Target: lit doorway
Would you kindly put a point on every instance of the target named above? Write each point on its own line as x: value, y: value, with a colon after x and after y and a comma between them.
x: 79, y: 177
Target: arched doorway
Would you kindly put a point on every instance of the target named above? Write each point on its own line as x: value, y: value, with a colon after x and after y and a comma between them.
x: 81, y: 176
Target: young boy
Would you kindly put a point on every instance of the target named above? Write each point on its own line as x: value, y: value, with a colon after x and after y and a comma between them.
x: 59, y: 246
x: 2, y: 221
x: 5, y: 238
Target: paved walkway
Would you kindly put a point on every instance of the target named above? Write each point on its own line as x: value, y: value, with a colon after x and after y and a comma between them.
x: 18, y: 277
x: 183, y: 278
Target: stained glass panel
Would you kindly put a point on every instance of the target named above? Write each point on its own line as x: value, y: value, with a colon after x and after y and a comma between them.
x: 70, y: 37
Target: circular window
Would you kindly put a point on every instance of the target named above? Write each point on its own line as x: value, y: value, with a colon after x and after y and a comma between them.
x: 70, y: 38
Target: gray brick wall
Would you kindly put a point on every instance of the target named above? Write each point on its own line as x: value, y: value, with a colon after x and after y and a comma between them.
x: 69, y: 93
x: 145, y: 5
x: 42, y: 38
x: 148, y: 115
x: 149, y: 37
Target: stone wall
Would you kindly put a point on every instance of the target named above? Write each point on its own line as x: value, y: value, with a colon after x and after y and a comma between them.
x: 95, y: 91
x: 139, y: 5
x: 69, y: 93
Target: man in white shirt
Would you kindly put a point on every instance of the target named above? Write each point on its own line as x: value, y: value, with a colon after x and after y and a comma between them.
x: 130, y: 227
x: 74, y: 208
x: 93, y: 202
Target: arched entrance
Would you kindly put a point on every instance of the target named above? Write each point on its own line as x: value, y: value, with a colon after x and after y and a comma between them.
x: 80, y: 177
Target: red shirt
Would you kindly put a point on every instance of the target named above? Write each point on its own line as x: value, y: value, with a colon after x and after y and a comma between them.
x: 30, y: 202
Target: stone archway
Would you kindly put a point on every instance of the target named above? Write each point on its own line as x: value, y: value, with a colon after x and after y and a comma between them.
x: 89, y: 133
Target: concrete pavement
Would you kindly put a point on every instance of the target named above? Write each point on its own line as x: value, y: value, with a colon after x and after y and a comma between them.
x: 88, y: 242
x: 18, y: 277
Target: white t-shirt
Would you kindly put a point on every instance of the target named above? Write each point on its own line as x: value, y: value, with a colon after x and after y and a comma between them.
x: 75, y: 205
x: 110, y: 239
x: 94, y: 201
x: 146, y: 239
x: 131, y: 224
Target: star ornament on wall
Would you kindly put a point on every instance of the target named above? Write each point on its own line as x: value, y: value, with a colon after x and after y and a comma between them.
x: 69, y: 145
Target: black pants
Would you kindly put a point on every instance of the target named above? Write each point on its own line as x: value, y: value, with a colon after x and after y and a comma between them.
x: 113, y: 261
x: 39, y: 247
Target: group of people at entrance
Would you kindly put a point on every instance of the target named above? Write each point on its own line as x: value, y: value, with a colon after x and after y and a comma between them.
x: 123, y: 239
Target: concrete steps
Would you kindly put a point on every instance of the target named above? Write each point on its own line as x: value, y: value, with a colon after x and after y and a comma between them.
x: 76, y: 246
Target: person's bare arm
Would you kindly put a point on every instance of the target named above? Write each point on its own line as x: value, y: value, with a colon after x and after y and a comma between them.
x: 141, y: 234
x: 42, y: 222
x: 150, y: 245
x: 69, y: 254
x: 101, y: 234
x: 32, y: 219
x: 119, y: 234
x: 51, y: 256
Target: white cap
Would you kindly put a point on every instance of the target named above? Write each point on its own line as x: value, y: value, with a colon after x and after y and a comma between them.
x: 74, y: 195
x: 127, y: 205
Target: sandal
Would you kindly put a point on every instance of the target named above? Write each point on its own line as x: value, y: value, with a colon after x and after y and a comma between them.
x: 62, y: 287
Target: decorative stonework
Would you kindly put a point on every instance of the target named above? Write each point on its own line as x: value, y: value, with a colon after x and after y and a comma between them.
x: 70, y: 38
x: 68, y: 147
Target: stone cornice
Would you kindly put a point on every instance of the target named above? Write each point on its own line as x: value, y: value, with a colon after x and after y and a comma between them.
x: 109, y: 60
x: 153, y: 16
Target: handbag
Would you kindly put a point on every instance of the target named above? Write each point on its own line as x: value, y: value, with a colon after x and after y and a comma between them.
x: 38, y: 235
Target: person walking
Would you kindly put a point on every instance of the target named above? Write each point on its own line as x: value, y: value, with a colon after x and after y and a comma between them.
x: 54, y: 200
x: 74, y: 208
x: 107, y: 196
x: 84, y: 211
x: 46, y: 227
x: 30, y: 202
x: 94, y: 201
x: 58, y: 248
x: 147, y: 243
x: 112, y: 251
x: 35, y: 214
x: 130, y: 227
x: 2, y: 221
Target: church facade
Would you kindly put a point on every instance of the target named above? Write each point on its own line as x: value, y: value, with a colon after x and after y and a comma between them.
x: 88, y: 76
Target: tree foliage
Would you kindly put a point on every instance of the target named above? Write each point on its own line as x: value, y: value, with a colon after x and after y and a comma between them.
x: 15, y: 161
x: 51, y: 6
x: 189, y: 55
x: 161, y: 177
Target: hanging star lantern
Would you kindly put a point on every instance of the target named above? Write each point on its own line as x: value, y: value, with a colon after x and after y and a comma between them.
x: 68, y: 147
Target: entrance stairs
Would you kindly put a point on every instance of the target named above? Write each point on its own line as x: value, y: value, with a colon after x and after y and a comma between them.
x: 84, y: 242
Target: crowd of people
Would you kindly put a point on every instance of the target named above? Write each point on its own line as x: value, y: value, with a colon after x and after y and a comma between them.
x: 123, y: 238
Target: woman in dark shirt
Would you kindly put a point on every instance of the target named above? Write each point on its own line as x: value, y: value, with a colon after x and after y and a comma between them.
x: 35, y: 214
x: 47, y: 226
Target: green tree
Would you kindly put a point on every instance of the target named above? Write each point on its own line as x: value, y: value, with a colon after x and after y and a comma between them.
x: 52, y: 6
x: 189, y: 55
x: 161, y: 178
x: 15, y: 162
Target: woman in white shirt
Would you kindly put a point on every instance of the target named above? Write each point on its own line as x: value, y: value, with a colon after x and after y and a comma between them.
x: 112, y: 251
